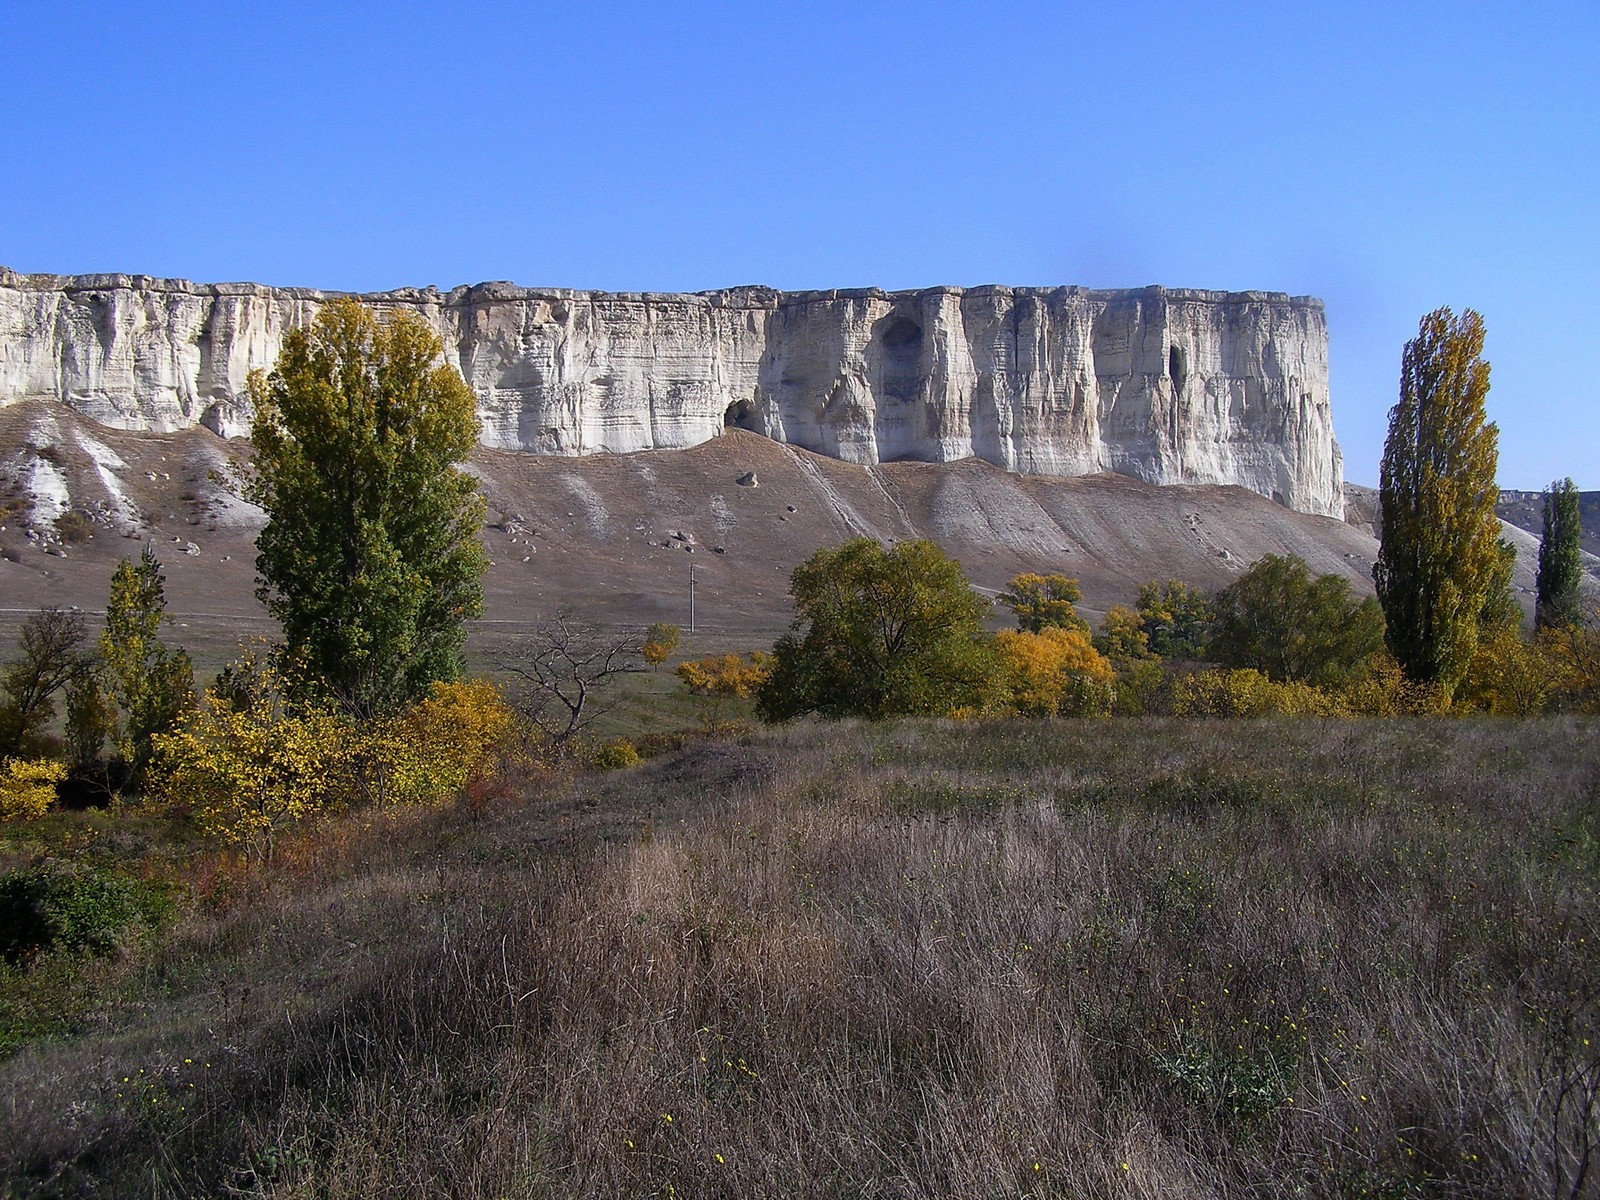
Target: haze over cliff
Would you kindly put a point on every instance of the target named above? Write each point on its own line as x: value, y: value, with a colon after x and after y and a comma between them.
x: 1165, y: 385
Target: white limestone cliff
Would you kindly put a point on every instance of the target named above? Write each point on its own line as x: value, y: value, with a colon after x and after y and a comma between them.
x: 1167, y: 385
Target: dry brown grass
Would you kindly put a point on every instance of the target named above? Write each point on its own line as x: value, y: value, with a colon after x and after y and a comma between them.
x: 920, y: 960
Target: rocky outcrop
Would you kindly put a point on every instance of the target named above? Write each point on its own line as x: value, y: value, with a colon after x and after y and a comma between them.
x: 1169, y: 386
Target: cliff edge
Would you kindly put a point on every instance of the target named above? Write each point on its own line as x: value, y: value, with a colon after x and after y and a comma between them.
x: 1165, y: 385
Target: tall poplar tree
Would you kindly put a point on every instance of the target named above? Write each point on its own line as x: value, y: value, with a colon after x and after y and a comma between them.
x: 1441, y: 568
x: 371, y: 556
x: 1560, y: 564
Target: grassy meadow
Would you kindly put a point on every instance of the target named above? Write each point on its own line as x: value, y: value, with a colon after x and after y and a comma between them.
x: 1134, y: 958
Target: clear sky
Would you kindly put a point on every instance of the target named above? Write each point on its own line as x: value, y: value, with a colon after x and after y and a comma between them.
x: 1387, y: 157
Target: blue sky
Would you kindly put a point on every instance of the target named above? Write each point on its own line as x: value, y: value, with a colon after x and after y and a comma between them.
x: 1389, y: 158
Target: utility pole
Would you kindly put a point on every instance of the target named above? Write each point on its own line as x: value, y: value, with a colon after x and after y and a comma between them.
x: 691, y: 597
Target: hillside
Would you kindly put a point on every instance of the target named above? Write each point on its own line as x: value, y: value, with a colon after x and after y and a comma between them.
x: 917, y: 960
x: 1525, y: 510
x: 617, y: 535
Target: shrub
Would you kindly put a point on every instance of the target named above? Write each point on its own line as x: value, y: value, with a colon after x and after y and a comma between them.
x: 1056, y: 672
x: 1510, y: 677
x: 456, y: 735
x: 1381, y: 689
x: 1143, y: 688
x: 252, y: 765
x: 28, y: 788
x: 1577, y: 648
x: 614, y: 755
x: 74, y: 527
x: 726, y: 674
x: 59, y: 906
x: 1249, y: 693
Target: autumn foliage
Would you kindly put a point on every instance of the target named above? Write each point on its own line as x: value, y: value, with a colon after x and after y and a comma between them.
x: 726, y: 674
x: 257, y: 757
x: 28, y: 788
x: 1056, y: 672
x: 248, y: 766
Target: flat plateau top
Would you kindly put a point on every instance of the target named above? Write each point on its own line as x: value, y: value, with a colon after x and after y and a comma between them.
x: 748, y: 296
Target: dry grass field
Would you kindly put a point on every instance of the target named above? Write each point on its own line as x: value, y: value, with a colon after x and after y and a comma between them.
x: 1076, y: 959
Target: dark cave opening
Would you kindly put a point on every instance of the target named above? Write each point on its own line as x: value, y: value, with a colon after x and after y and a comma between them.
x: 1177, y: 368
x: 902, y: 334
x: 895, y: 361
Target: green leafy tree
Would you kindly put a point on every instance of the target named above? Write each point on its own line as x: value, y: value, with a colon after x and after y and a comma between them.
x: 1122, y: 638
x: 1277, y: 619
x: 151, y: 685
x: 1176, y: 618
x: 371, y: 556
x: 1043, y: 601
x: 1440, y: 566
x: 880, y: 633
x: 1500, y: 611
x: 1560, y: 561
x: 52, y: 657
x: 91, y: 719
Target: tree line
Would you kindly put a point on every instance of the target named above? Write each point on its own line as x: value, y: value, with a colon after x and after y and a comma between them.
x: 881, y: 632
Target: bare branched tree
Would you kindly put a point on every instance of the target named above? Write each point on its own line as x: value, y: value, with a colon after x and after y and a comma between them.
x: 566, y: 666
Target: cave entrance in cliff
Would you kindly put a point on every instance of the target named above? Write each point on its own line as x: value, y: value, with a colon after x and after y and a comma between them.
x: 895, y: 361
x: 741, y: 414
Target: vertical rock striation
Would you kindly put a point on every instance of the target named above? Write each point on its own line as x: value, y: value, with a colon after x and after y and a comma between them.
x: 1167, y: 385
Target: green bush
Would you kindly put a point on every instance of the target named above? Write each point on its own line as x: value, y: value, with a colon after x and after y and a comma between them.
x: 60, y: 906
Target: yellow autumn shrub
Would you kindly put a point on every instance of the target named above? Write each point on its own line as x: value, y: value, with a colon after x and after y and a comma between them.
x: 1576, y: 648
x: 1381, y: 689
x: 726, y: 674
x: 1510, y: 677
x: 28, y: 788
x: 1249, y: 693
x: 615, y: 754
x: 250, y: 764
x: 435, y: 748
x: 1056, y: 672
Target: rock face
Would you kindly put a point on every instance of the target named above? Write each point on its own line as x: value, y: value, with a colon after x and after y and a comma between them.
x: 1164, y: 385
